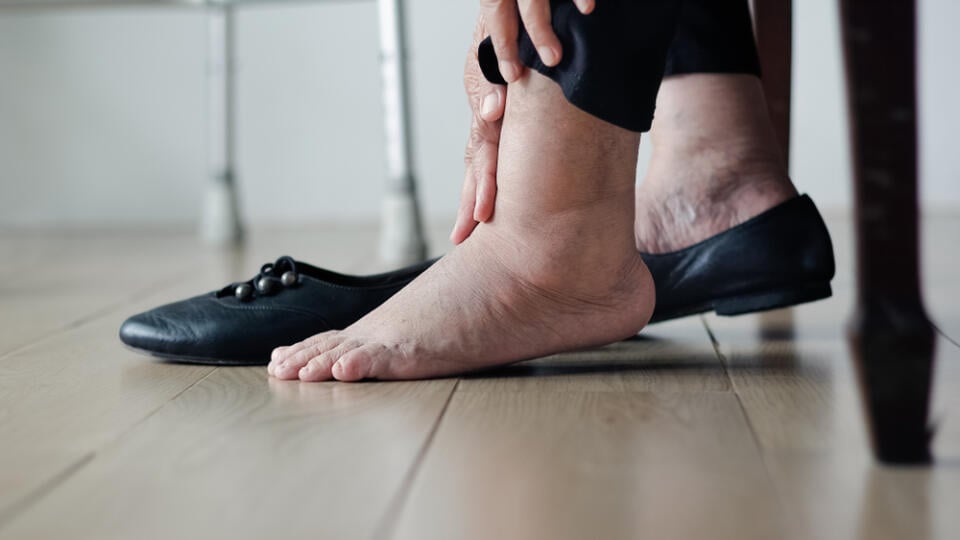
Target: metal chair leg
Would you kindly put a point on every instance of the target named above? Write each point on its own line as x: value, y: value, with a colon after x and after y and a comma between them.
x: 401, y: 234
x: 220, y: 222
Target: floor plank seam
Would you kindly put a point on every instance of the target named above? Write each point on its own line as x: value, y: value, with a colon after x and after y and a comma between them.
x: 48, y: 487
x: 7, y: 515
x: 724, y: 363
x: 96, y: 315
x: 395, y: 509
x: 733, y: 386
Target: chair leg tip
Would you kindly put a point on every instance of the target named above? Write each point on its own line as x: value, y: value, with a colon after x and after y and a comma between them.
x: 919, y: 457
x: 905, y: 450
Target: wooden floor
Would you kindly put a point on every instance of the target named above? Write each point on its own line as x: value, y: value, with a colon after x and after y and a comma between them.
x: 703, y: 428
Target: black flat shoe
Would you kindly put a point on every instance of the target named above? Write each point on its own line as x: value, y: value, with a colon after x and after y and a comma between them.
x: 780, y: 258
x: 240, y: 324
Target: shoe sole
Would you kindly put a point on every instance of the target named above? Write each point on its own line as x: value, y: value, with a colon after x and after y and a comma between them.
x: 743, y: 304
x: 196, y: 360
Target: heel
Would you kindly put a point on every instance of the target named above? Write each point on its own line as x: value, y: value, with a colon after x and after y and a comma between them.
x: 772, y: 299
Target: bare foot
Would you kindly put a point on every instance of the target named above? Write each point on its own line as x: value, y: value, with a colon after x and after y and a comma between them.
x: 555, y: 269
x: 474, y: 309
x: 715, y: 163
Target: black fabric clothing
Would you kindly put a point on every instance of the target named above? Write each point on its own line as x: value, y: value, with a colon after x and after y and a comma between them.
x: 615, y: 57
x: 713, y: 36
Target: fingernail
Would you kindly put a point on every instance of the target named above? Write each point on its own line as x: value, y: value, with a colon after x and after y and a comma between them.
x: 489, y: 104
x: 508, y: 70
x: 304, y: 371
x: 583, y: 5
x: 548, y: 55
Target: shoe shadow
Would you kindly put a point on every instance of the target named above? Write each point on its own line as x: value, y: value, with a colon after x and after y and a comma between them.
x: 635, y: 354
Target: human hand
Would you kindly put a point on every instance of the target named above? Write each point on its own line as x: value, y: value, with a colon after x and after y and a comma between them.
x: 487, y: 101
x: 503, y: 21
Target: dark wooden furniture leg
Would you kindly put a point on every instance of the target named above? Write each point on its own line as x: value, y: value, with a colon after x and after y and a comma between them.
x: 772, y: 26
x: 773, y: 29
x: 891, y: 338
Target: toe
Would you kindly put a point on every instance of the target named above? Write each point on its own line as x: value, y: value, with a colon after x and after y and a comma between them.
x: 289, y: 364
x: 283, y: 353
x: 355, y: 365
x: 276, y: 357
x: 319, y: 367
x: 278, y: 354
x: 316, y: 370
x: 287, y: 371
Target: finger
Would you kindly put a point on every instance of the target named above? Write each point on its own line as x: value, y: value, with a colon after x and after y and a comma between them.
x: 494, y: 103
x: 585, y: 6
x: 464, y: 224
x: 536, y: 19
x: 503, y: 21
x: 462, y: 230
x: 485, y: 145
x: 485, y: 166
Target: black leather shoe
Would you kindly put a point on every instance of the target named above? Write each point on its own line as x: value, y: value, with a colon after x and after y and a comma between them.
x: 780, y: 258
x: 288, y: 301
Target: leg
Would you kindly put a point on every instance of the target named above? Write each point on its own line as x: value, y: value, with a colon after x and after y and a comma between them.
x: 716, y: 161
x: 891, y: 338
x: 555, y: 269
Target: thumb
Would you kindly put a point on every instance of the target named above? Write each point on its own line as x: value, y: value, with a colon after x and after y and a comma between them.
x: 494, y: 102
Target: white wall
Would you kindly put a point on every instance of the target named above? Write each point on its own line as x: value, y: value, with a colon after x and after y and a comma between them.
x: 102, y: 112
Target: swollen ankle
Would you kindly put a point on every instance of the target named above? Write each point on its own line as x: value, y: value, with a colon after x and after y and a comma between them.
x: 681, y: 204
